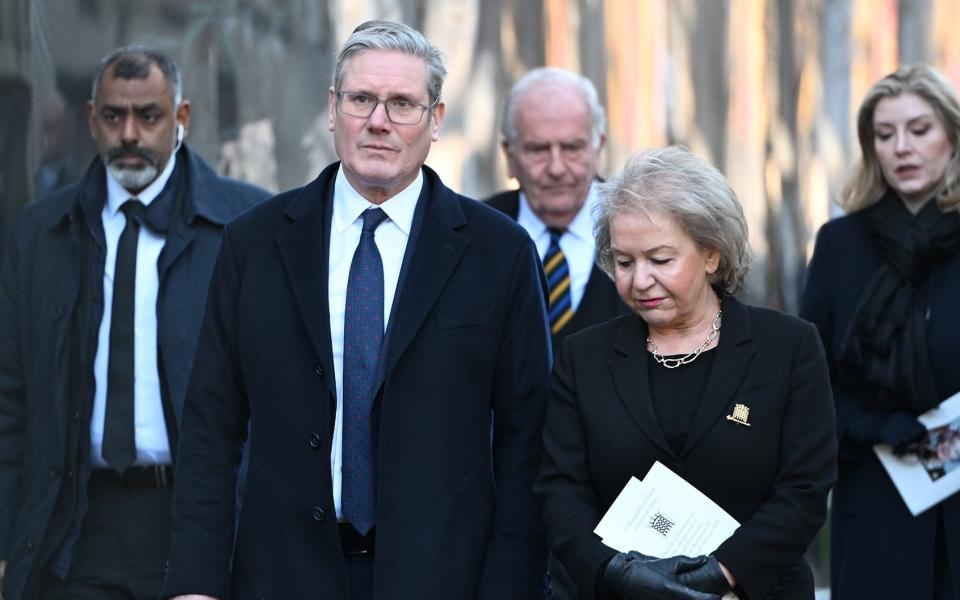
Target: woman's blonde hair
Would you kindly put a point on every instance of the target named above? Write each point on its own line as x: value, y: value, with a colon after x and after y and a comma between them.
x: 672, y: 181
x: 866, y: 185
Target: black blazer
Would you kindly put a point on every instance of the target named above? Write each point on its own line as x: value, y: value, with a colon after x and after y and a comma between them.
x: 467, y: 345
x: 773, y: 477
x: 600, y: 299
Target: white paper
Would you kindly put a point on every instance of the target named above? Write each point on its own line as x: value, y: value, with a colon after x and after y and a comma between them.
x: 664, y: 516
x: 923, y: 481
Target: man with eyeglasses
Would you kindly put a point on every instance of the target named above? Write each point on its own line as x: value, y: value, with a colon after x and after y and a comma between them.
x: 553, y: 129
x: 365, y: 333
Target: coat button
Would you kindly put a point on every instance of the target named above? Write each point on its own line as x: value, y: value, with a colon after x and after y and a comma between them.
x: 30, y: 546
x: 318, y: 514
x: 54, y: 472
x: 58, y: 314
x: 314, y: 441
x: 319, y: 370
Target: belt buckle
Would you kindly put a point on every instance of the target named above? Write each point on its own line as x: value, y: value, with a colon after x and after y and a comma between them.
x: 351, y: 542
x: 160, y: 477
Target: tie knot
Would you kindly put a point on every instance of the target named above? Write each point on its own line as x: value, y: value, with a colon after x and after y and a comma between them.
x: 132, y: 208
x: 555, y: 234
x: 372, y: 219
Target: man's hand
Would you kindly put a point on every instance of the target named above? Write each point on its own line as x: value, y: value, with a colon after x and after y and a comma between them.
x: 188, y: 597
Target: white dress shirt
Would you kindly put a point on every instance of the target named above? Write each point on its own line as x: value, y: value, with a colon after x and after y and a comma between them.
x: 149, y: 425
x: 391, y: 239
x: 577, y: 243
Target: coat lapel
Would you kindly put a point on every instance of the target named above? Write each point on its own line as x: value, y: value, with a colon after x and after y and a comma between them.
x: 303, y: 250
x: 632, y: 380
x: 734, y: 353
x: 437, y: 250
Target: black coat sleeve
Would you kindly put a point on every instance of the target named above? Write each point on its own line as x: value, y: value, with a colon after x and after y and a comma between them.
x: 213, y: 433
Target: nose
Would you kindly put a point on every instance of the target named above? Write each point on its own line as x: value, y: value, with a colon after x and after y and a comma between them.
x: 642, y: 277
x: 129, y: 133
x: 378, y: 119
x: 556, y: 167
x: 903, y: 144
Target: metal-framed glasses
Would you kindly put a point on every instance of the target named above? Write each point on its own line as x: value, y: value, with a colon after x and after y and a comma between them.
x: 399, y: 110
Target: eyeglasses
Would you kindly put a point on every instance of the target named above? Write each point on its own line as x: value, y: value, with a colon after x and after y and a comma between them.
x: 399, y: 110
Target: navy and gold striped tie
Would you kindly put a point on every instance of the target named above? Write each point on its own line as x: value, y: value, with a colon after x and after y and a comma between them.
x: 558, y: 280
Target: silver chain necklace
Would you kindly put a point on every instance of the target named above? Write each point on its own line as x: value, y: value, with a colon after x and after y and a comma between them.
x: 673, y: 363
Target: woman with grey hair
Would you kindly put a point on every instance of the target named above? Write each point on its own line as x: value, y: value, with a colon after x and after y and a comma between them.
x: 882, y: 287
x: 734, y: 399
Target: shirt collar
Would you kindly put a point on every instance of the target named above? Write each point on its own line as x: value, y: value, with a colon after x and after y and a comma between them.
x: 117, y: 194
x: 581, y: 227
x: 348, y: 204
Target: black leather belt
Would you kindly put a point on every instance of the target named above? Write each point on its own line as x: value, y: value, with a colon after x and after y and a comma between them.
x: 153, y: 476
x: 353, y: 543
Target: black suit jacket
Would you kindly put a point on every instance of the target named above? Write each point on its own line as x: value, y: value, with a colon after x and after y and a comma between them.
x: 773, y: 477
x: 600, y: 299
x: 467, y: 344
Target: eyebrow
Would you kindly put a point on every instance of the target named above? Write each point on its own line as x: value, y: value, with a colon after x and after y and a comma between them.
x: 909, y: 122
x: 647, y: 250
x: 138, y: 108
x: 392, y: 96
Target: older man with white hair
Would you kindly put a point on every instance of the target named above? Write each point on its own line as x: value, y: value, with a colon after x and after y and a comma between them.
x: 553, y: 129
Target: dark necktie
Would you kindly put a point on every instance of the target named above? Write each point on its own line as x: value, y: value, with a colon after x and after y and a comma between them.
x: 119, y: 445
x: 558, y: 281
x: 362, y: 337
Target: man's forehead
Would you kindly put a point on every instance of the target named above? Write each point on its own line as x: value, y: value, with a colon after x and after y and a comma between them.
x: 151, y: 89
x: 551, y: 124
x: 375, y: 69
x: 555, y: 91
x: 552, y: 103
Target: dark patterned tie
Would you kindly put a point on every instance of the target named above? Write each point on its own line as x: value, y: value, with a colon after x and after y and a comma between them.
x: 558, y: 280
x: 119, y: 444
x: 362, y: 337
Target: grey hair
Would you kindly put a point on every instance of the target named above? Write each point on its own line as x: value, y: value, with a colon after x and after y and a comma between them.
x: 387, y: 35
x: 674, y: 182
x: 133, y: 62
x: 866, y: 185
x: 598, y: 116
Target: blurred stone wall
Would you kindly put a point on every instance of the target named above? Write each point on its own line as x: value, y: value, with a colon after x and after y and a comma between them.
x: 765, y: 89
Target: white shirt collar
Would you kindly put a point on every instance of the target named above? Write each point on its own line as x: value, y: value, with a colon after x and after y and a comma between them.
x: 581, y: 226
x: 117, y: 194
x: 348, y: 204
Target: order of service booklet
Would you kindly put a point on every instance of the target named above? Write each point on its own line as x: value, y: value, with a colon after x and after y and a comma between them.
x: 932, y: 474
x: 664, y: 515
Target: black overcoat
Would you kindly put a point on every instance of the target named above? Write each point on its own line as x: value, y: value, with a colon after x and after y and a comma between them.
x: 468, y: 343
x: 878, y: 549
x: 39, y: 302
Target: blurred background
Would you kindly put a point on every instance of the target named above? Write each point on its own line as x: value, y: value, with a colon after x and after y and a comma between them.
x: 765, y: 89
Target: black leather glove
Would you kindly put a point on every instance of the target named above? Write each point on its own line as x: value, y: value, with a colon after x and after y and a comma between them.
x: 899, y: 429
x: 635, y: 576
x: 702, y: 573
